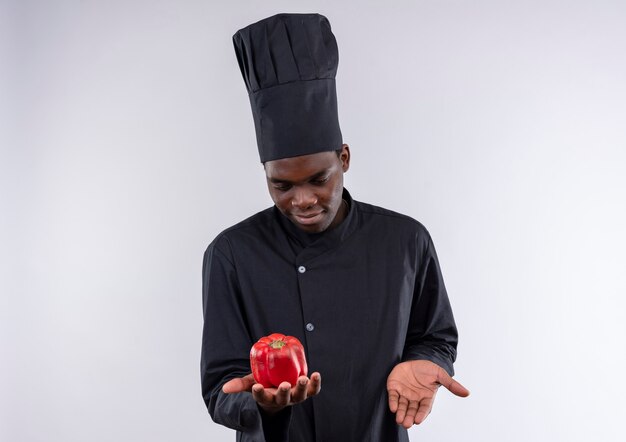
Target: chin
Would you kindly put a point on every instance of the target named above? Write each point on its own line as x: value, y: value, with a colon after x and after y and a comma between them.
x: 310, y: 228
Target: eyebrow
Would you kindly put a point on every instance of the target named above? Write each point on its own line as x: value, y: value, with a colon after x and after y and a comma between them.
x: 313, y: 177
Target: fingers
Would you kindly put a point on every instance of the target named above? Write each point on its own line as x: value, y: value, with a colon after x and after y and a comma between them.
x: 306, y: 388
x: 315, y: 384
x: 261, y: 395
x: 403, y: 405
x: 393, y: 400
x: 409, y: 417
x: 425, y: 406
x: 300, y: 390
x: 283, y: 395
x: 274, y: 399
x: 456, y: 388
x: 238, y: 385
x: 410, y: 412
x: 451, y: 384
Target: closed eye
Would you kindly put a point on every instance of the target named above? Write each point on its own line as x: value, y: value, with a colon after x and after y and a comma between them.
x: 282, y: 187
x: 319, y: 181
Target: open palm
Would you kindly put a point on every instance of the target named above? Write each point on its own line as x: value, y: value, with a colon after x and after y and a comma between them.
x: 412, y: 386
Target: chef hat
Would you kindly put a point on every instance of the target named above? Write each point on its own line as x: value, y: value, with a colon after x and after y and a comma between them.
x: 289, y: 62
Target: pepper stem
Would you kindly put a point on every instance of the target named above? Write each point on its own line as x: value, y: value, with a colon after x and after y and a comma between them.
x: 279, y: 343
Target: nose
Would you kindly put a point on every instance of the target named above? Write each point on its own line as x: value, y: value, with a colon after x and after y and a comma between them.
x: 303, y: 199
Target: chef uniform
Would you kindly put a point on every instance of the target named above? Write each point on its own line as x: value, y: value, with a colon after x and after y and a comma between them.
x: 361, y: 297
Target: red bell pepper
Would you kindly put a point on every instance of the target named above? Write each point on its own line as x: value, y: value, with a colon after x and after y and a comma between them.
x: 277, y: 358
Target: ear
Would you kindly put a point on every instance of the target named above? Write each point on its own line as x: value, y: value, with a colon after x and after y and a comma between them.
x: 344, y: 157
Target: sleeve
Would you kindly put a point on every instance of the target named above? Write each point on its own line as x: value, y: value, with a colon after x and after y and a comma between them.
x: 432, y: 332
x: 226, y: 343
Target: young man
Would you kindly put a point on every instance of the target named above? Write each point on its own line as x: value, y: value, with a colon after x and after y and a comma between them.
x: 359, y: 285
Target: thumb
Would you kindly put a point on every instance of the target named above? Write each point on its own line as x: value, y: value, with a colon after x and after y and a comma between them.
x: 237, y: 385
x: 452, y: 385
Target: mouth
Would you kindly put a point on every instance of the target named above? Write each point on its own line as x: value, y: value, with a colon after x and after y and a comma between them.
x: 308, y: 218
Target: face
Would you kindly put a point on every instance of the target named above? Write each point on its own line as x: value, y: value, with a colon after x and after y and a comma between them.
x: 307, y: 189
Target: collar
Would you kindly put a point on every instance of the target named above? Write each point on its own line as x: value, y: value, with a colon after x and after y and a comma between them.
x: 308, y: 245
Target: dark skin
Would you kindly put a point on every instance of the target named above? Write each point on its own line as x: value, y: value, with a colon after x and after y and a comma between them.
x: 307, y: 190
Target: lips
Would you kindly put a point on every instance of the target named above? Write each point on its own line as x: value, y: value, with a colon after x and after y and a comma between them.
x: 308, y: 218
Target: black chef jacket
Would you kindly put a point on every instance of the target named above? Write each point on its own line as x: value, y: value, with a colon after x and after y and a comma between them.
x: 361, y: 297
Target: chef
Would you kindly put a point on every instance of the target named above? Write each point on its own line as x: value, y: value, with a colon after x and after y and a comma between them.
x: 359, y: 285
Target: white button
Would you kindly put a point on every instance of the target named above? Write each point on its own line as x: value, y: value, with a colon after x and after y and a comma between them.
x: 310, y: 327
x: 302, y: 269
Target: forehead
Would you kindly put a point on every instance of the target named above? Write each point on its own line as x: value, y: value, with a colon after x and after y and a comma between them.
x: 301, y: 167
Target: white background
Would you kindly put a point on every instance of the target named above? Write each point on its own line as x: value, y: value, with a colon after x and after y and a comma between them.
x: 128, y: 144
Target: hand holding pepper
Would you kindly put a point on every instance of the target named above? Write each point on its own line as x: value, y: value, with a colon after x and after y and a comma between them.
x: 278, y: 376
x: 272, y: 399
